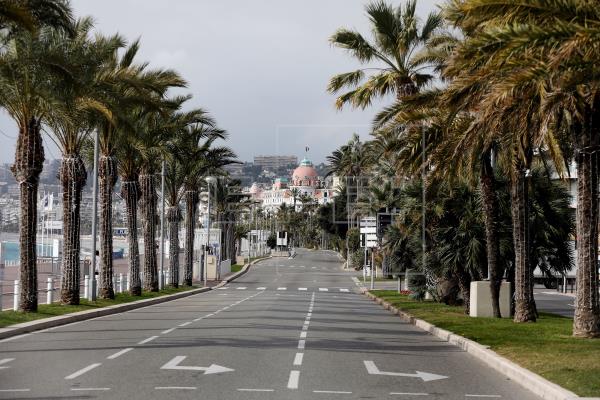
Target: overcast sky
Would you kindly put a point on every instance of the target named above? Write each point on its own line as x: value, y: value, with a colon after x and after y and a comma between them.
x: 260, y: 67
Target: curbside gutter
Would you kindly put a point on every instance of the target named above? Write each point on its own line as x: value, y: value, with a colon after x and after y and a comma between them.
x: 529, y: 380
x: 45, y: 323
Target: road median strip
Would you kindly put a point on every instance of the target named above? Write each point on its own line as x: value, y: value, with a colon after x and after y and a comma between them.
x: 537, y: 384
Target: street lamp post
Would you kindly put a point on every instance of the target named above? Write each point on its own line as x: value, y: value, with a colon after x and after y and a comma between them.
x: 92, y: 284
x: 209, y: 180
x: 161, y: 282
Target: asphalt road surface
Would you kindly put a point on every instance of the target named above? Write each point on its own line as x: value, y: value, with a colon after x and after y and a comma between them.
x: 551, y: 301
x: 289, y: 329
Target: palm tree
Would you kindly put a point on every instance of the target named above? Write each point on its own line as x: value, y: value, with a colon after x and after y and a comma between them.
x: 132, y: 87
x: 397, y: 37
x: 538, y: 40
x: 32, y: 15
x: 27, y: 79
x: 81, y: 101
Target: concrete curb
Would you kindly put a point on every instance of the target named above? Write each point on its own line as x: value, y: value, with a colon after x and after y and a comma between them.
x: 529, y: 380
x: 59, y: 320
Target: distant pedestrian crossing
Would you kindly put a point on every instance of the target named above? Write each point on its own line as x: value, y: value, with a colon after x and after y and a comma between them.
x: 285, y: 288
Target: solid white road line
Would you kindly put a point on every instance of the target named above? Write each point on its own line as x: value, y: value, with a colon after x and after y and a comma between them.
x: 331, y: 392
x: 89, y: 389
x: 151, y: 338
x: 303, y: 334
x: 168, y: 331
x: 185, y: 323
x: 255, y: 390
x: 119, y: 353
x: 294, y: 379
x: 409, y: 394
x: 298, y: 358
x: 483, y: 395
x: 175, y: 388
x: 323, y: 289
x: 14, y: 390
x: 301, y: 344
x: 82, y: 371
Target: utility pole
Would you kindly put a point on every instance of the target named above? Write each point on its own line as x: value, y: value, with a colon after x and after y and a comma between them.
x: 92, y: 284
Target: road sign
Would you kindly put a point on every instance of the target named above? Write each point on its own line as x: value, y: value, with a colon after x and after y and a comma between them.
x: 212, y: 369
x: 425, y: 376
x: 368, y: 231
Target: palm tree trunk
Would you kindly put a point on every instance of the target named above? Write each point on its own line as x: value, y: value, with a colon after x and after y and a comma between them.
x: 129, y: 191
x: 107, y: 174
x: 148, y: 205
x: 490, y: 212
x: 191, y: 201
x: 173, y: 217
x: 524, y: 303
x: 586, y: 322
x: 29, y: 161
x: 72, y: 178
x: 464, y: 284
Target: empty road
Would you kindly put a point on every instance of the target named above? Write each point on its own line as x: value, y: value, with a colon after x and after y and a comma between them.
x: 288, y: 329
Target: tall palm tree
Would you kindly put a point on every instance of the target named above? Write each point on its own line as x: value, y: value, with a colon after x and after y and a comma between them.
x: 538, y: 39
x: 27, y: 79
x: 82, y: 99
x: 397, y: 37
x: 132, y: 88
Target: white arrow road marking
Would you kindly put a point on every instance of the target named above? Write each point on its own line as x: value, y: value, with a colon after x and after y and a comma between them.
x: 5, y: 361
x: 212, y: 369
x: 425, y: 376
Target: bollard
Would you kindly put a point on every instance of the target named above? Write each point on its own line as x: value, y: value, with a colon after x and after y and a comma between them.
x: 49, y: 289
x: 16, y: 296
x: 398, y: 284
x: 121, y: 283
x: 127, y: 283
x: 86, y: 286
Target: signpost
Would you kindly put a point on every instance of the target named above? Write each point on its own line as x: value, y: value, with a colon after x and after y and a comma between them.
x: 368, y: 240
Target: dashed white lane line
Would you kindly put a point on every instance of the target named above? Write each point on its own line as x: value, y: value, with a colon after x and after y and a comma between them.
x: 175, y: 388
x: 261, y: 288
x: 166, y: 332
x: 82, y: 371
x: 298, y: 358
x: 323, y: 289
x: 301, y: 344
x: 344, y: 290
x: 242, y: 288
x: 293, y: 380
x: 331, y: 392
x: 147, y: 340
x: 14, y: 390
x: 255, y: 390
x: 483, y: 395
x: 303, y: 334
x: 409, y: 394
x: 119, y: 353
x: 303, y: 289
x: 90, y: 389
x: 5, y: 361
x: 185, y: 324
x: 304, y: 327
x: 281, y: 288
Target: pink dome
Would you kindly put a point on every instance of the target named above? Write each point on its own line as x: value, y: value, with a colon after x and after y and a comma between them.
x: 303, y: 172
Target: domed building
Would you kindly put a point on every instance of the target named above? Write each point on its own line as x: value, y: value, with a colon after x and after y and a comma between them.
x: 305, y: 175
x: 304, y: 182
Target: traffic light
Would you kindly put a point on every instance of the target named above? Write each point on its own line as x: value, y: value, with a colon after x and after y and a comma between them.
x: 383, y: 221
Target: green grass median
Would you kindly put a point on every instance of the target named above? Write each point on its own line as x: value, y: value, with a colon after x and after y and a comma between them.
x: 545, y: 347
x: 8, y: 318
